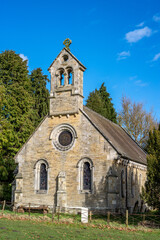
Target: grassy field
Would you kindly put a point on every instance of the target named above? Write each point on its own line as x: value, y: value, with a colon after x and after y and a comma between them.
x: 28, y: 229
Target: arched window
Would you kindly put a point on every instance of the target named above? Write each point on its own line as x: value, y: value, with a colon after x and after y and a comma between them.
x: 122, y: 184
x: 61, y: 78
x: 86, y: 176
x: 41, y: 176
x: 70, y: 77
x: 86, y: 173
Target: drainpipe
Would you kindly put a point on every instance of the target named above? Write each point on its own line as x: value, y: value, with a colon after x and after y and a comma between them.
x: 127, y: 185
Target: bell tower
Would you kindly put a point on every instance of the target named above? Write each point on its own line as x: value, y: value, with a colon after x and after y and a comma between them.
x: 66, y: 95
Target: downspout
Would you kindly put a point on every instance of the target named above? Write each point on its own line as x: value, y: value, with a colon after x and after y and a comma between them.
x: 127, y: 185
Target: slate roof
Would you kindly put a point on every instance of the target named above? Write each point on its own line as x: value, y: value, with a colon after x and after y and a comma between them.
x: 120, y: 140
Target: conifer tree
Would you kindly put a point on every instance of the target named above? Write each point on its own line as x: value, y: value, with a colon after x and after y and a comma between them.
x: 152, y: 186
x: 40, y: 94
x: 16, y: 110
x: 3, y: 170
x: 101, y: 102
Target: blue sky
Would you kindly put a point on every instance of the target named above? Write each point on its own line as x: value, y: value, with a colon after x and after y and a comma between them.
x: 118, y: 42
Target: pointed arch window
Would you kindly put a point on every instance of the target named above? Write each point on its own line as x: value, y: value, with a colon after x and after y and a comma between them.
x: 70, y: 76
x: 86, y: 174
x: 41, y: 176
x: 61, y: 78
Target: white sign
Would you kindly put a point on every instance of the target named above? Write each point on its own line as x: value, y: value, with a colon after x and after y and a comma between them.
x: 84, y: 215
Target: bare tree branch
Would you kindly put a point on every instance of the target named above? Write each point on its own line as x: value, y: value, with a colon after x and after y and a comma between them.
x: 136, y: 121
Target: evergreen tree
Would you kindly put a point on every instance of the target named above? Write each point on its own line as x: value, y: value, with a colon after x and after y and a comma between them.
x: 3, y: 170
x: 16, y: 109
x: 40, y: 94
x: 152, y: 186
x: 100, y: 102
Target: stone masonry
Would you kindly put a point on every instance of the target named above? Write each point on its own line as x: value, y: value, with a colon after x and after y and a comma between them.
x: 111, y: 188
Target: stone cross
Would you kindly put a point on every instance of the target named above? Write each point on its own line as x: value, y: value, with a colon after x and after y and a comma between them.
x: 67, y: 42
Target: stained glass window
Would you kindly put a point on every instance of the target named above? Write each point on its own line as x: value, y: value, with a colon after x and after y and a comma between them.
x: 86, y: 176
x: 65, y: 138
x: 43, y: 177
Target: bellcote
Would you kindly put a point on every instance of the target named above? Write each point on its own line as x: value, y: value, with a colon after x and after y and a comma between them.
x: 66, y: 95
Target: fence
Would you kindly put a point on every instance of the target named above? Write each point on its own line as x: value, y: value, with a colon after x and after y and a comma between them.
x: 42, y: 213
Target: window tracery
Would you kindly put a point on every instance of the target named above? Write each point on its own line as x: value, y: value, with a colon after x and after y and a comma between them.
x: 63, y: 137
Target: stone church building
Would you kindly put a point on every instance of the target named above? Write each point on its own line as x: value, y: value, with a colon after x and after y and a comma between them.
x: 77, y: 158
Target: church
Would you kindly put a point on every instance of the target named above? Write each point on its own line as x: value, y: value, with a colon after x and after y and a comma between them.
x: 77, y: 158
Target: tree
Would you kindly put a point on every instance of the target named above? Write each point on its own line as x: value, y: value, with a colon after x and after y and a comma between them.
x: 16, y: 109
x: 136, y: 121
x: 3, y: 170
x: 152, y: 186
x: 100, y: 102
x: 40, y: 94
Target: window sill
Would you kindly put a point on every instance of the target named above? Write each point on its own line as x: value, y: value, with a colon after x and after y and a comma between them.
x: 41, y: 191
x: 86, y: 191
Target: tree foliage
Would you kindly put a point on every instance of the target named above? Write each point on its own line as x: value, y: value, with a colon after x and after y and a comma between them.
x: 101, y: 102
x: 19, y: 110
x: 40, y: 94
x: 152, y: 186
x: 136, y: 121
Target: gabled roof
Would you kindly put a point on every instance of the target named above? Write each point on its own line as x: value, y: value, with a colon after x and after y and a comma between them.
x: 121, y: 141
x: 70, y: 55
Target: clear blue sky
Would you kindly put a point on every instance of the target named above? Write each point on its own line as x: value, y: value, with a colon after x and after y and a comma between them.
x: 117, y: 40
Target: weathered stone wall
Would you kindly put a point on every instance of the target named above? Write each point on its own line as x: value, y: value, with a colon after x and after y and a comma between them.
x: 66, y: 98
x: 64, y: 167
x: 89, y: 144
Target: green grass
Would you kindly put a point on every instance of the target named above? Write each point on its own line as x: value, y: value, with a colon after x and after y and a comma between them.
x: 69, y: 226
x: 19, y: 230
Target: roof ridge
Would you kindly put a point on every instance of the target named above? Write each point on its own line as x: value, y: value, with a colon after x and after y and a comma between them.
x: 102, y: 116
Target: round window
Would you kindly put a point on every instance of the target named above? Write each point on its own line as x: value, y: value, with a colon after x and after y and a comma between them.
x: 63, y: 137
x: 65, y: 58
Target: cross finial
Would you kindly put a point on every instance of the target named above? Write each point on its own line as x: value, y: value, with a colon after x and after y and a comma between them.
x: 67, y: 42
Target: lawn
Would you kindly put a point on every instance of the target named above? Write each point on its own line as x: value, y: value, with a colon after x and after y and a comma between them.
x: 28, y: 229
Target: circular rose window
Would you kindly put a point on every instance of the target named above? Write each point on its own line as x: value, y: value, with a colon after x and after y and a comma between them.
x: 63, y: 137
